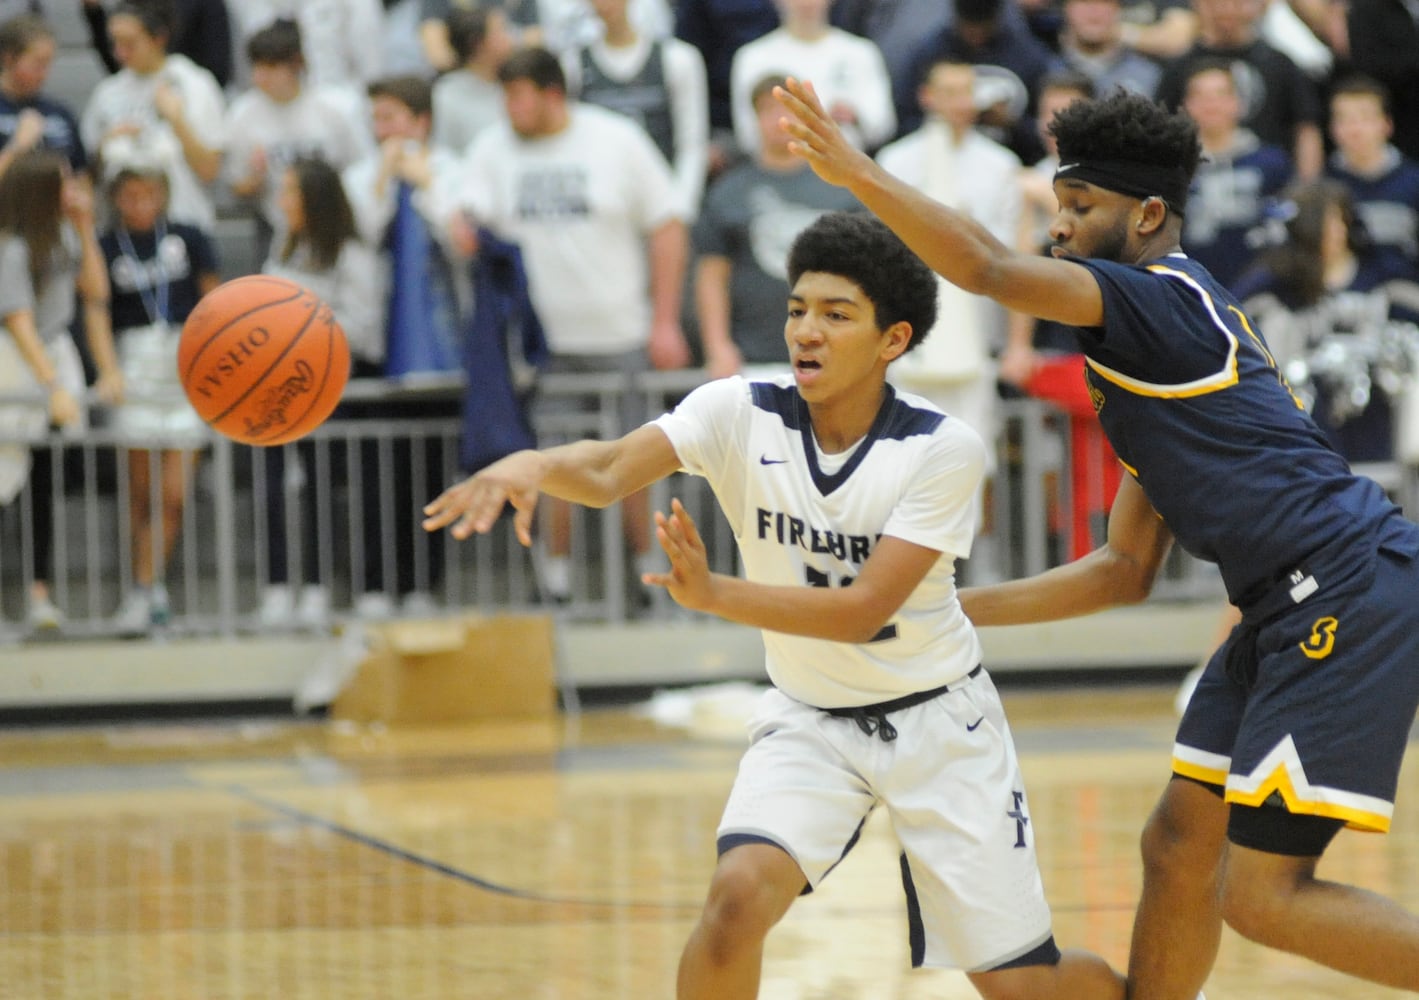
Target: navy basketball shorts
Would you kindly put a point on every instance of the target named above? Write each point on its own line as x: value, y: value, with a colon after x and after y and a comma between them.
x: 1321, y: 727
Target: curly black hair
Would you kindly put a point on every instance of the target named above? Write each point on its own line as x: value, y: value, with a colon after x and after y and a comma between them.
x: 860, y: 248
x: 1127, y: 127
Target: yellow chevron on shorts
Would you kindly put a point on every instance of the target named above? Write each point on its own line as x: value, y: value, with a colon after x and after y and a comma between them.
x: 1282, y: 773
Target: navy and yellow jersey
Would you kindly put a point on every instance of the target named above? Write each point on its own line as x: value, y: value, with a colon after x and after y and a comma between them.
x: 1192, y: 401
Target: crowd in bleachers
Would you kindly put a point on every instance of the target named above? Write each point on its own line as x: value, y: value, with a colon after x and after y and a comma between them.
x: 612, y: 172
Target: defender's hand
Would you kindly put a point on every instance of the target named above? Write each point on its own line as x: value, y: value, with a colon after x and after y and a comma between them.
x: 816, y: 137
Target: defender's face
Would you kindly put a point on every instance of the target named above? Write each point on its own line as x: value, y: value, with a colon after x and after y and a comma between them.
x: 833, y: 339
x: 1091, y: 222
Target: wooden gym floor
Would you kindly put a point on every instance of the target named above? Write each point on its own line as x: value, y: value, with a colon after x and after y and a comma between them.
x: 547, y: 861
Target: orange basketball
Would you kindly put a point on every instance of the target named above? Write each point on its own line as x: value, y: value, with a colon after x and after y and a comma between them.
x: 263, y: 360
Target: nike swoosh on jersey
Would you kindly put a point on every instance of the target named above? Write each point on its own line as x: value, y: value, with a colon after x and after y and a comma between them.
x: 973, y: 726
x: 765, y: 460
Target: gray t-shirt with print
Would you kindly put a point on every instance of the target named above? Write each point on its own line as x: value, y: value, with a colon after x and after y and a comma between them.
x: 52, y: 303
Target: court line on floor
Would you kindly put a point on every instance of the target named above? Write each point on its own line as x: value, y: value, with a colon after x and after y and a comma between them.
x: 432, y: 864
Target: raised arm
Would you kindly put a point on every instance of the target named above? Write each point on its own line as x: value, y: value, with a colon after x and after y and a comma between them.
x: 953, y: 245
x: 592, y: 473
x: 1121, y: 571
x: 840, y: 614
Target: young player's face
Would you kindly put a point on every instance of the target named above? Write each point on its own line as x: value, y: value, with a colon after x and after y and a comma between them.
x: 1091, y: 222
x: 834, y: 343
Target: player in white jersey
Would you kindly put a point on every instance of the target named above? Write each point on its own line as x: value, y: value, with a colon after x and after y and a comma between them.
x: 828, y: 477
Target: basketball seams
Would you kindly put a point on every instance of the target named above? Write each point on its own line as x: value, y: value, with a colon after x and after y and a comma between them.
x: 260, y: 379
x: 263, y: 360
x: 269, y: 304
x: 318, y: 395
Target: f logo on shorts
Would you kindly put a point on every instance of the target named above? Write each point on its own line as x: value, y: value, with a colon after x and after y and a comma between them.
x: 1021, y: 820
x: 1322, y: 638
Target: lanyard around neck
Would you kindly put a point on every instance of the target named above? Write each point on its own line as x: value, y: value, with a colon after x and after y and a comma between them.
x: 155, y: 300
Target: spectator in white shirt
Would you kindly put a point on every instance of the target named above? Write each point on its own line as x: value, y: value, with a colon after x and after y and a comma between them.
x: 159, y: 108
x: 847, y: 71
x: 280, y: 119
x: 469, y: 98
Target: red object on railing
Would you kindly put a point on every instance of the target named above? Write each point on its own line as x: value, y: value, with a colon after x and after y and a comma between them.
x: 1094, y: 470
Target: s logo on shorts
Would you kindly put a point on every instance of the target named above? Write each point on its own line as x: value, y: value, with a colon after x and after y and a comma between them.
x: 1322, y: 638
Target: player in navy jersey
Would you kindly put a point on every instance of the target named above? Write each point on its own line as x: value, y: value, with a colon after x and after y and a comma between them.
x: 1299, y: 723
x: 828, y: 477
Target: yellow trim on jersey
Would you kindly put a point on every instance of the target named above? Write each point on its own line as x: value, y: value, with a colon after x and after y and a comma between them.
x: 1280, y: 781
x: 1130, y: 469
x: 1260, y: 344
x: 1223, y: 379
x: 1270, y: 358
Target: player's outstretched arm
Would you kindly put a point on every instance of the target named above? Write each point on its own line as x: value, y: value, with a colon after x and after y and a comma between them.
x: 839, y: 613
x: 592, y: 473
x: 1121, y: 571
x: 952, y: 244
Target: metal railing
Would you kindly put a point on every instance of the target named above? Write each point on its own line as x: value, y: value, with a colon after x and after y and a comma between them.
x: 337, y: 511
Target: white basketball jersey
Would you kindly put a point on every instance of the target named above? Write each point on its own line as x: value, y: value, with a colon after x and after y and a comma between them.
x: 804, y: 518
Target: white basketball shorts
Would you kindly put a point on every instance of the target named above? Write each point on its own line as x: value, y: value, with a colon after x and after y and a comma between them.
x: 952, y: 788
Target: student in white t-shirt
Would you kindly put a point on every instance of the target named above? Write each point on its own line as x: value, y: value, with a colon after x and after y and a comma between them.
x: 829, y: 477
x: 469, y: 98
x: 159, y: 108
x: 49, y: 249
x: 848, y: 70
x: 280, y: 119
x: 593, y: 206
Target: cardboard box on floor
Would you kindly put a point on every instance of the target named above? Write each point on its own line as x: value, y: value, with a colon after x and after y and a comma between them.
x: 454, y: 670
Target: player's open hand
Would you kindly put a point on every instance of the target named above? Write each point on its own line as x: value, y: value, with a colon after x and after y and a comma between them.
x: 816, y: 137
x: 474, y: 504
x: 689, y: 581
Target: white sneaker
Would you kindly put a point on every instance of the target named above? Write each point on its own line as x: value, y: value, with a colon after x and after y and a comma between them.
x: 160, y: 611
x: 374, y: 606
x: 313, y: 610
x: 277, y: 606
x: 43, y: 614
x: 135, y: 615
